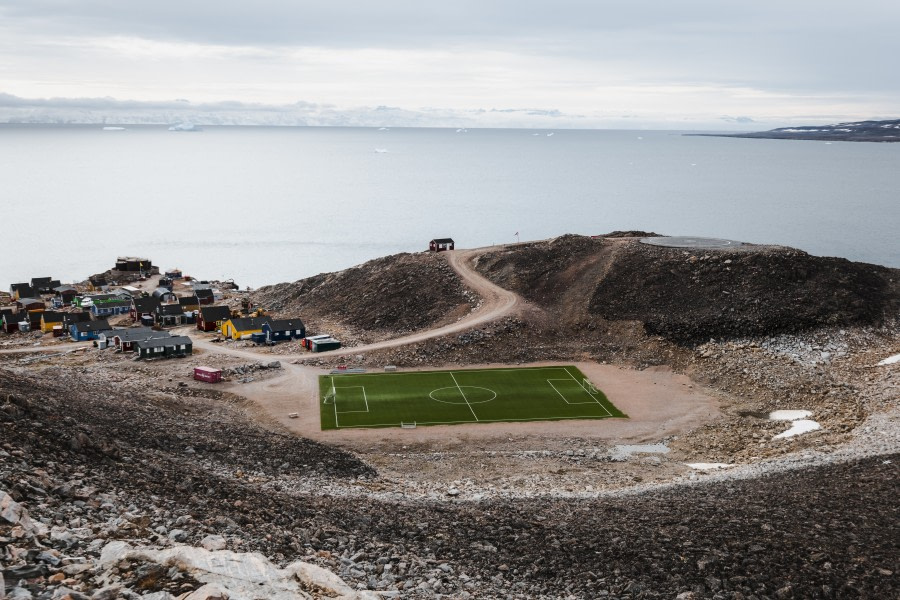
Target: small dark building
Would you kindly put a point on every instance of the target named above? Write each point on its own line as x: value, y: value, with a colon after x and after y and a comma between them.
x: 143, y: 307
x: 189, y: 303
x: 30, y: 304
x: 43, y: 285
x: 176, y: 345
x: 66, y: 293
x: 69, y: 318
x: 441, y: 244
x: 283, y: 329
x: 205, y: 296
x: 125, y: 339
x: 168, y: 315
x: 10, y: 321
x: 212, y: 317
x: 164, y: 295
x: 133, y: 264
x: 21, y: 290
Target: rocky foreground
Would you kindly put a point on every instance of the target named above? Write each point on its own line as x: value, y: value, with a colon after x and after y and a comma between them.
x: 124, y: 480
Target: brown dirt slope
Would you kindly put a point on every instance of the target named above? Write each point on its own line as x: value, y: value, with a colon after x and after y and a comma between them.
x: 688, y: 295
x: 398, y: 294
x: 693, y: 295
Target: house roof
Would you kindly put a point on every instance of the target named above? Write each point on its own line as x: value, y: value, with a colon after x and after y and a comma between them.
x: 286, y: 325
x: 161, y: 291
x: 52, y: 316
x: 215, y: 313
x: 23, y: 289
x: 135, y: 334
x: 189, y: 301
x: 64, y: 288
x: 175, y: 340
x: 28, y: 301
x: 248, y: 323
x: 98, y: 325
x: 76, y: 317
x: 443, y: 240
x: 113, y: 304
x: 169, y: 309
x: 18, y: 286
x: 36, y: 281
x: 203, y: 292
x: 147, y: 304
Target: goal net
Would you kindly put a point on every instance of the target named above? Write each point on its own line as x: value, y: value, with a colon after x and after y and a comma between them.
x: 329, y: 396
x: 589, y: 386
x: 408, y: 425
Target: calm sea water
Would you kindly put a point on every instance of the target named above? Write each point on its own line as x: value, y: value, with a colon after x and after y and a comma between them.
x: 265, y: 205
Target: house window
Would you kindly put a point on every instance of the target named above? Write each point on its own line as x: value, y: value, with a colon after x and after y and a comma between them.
x: 181, y: 347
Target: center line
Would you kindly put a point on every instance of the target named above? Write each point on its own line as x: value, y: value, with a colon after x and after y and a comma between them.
x: 464, y: 396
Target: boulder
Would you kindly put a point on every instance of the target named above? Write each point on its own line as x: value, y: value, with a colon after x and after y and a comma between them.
x: 237, y: 576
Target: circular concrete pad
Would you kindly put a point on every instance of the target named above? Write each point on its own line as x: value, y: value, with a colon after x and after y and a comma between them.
x: 690, y: 242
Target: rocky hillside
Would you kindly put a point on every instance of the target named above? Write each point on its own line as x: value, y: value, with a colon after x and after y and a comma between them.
x: 396, y: 294
x: 100, y: 478
x: 689, y: 295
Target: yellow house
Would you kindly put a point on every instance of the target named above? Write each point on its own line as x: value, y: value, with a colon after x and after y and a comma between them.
x: 50, y: 318
x: 238, y: 328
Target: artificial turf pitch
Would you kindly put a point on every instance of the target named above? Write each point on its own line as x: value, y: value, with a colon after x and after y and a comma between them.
x: 455, y: 397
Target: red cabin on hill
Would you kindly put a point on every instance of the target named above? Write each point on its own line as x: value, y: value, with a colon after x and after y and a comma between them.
x: 441, y: 244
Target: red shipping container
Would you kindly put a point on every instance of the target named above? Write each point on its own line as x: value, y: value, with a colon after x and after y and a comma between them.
x: 207, y: 374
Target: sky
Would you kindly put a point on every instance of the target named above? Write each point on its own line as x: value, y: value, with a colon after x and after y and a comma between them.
x: 594, y: 63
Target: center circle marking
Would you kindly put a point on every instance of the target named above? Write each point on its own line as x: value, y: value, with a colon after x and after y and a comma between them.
x: 463, y: 389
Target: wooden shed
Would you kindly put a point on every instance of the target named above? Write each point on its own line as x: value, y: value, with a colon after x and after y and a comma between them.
x: 441, y: 244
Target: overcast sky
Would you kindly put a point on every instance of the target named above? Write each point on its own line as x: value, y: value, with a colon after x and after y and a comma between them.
x: 651, y: 61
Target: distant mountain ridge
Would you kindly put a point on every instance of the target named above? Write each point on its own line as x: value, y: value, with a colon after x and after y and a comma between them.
x: 859, y: 131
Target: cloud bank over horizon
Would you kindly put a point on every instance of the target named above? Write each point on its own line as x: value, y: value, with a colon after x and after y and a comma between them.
x: 571, y: 63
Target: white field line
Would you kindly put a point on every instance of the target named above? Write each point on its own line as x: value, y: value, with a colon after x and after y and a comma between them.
x: 581, y: 385
x: 470, y: 422
x: 561, y: 395
x: 337, y: 425
x: 348, y: 387
x: 464, y: 396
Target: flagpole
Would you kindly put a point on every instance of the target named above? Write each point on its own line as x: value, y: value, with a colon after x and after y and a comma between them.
x: 517, y: 237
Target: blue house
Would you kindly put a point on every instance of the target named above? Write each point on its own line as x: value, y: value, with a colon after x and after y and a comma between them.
x: 284, y: 329
x: 88, y: 330
x: 112, y: 307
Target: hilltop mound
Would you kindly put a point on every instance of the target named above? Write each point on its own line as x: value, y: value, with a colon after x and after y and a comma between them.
x: 693, y: 294
x: 395, y: 294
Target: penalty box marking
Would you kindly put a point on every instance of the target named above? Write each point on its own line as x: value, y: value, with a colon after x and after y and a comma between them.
x: 350, y: 387
x: 563, y: 396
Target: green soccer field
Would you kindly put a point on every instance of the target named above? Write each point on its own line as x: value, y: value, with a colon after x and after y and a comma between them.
x: 464, y: 396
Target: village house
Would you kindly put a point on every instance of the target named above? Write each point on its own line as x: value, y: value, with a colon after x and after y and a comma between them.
x: 189, y: 303
x: 283, y: 329
x: 168, y: 315
x: 177, y: 345
x: 205, y: 296
x: 65, y: 293
x: 211, y: 318
x: 110, y: 308
x: 30, y: 304
x: 247, y: 326
x: 51, y: 319
x: 21, y: 290
x: 144, y: 307
x: 69, y: 318
x: 11, y: 322
x: 44, y: 285
x: 88, y: 330
x: 125, y: 339
x: 441, y: 244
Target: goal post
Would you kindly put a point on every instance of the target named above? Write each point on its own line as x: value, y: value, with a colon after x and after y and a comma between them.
x: 407, y: 425
x: 587, y: 385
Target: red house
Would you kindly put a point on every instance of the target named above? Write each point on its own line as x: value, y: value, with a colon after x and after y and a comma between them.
x: 211, y: 318
x: 441, y: 244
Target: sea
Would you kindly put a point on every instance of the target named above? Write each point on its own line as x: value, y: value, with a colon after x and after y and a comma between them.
x: 262, y: 205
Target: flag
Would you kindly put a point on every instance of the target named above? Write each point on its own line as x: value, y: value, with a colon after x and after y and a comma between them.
x: 517, y: 233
